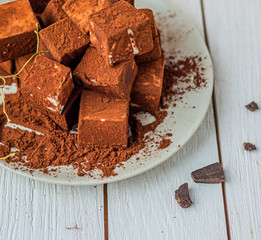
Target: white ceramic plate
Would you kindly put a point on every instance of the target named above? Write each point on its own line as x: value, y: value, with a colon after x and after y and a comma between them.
x: 185, y: 121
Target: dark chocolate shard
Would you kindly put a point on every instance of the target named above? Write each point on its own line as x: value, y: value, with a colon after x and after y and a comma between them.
x: 252, y: 106
x: 249, y: 147
x: 182, y: 196
x: 210, y: 174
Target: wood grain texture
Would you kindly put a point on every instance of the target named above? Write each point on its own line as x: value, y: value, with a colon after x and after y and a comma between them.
x: 144, y: 207
x: 234, y: 38
x: 33, y: 210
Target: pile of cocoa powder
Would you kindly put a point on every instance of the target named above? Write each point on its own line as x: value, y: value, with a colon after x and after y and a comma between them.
x: 56, y: 147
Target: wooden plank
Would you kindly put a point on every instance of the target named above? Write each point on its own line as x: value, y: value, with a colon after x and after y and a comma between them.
x: 144, y: 207
x: 234, y: 39
x: 33, y: 210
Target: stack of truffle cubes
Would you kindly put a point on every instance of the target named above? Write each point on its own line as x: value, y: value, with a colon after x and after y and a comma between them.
x: 103, y: 58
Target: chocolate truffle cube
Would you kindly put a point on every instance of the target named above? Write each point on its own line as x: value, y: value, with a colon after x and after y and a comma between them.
x: 120, y: 32
x: 48, y: 85
x: 53, y: 12
x: 38, y: 6
x: 156, y: 53
x: 103, y: 120
x: 94, y: 73
x: 65, y: 42
x: 79, y: 11
x: 147, y: 87
x: 20, y: 62
x: 17, y: 25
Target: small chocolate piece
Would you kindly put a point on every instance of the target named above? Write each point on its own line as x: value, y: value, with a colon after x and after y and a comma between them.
x: 182, y: 196
x: 38, y: 6
x: 20, y: 62
x: 48, y: 85
x: 103, y: 120
x: 94, y: 73
x: 156, y: 53
x: 65, y: 42
x: 252, y: 106
x: 249, y: 147
x: 210, y: 174
x: 17, y: 26
x: 53, y: 12
x: 147, y: 87
x: 120, y: 32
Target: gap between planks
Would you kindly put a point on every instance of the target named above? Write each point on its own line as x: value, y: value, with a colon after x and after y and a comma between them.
x: 216, y: 123
x: 105, y: 203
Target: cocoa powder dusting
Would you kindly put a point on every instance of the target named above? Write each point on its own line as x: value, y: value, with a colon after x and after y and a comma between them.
x: 181, y: 76
x: 57, y: 147
x: 54, y: 147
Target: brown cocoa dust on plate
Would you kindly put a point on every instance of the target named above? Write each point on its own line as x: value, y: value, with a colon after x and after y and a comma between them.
x: 51, y: 146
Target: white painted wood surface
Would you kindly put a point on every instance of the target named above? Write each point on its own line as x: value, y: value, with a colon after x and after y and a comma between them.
x: 233, y: 29
x: 33, y: 210
x: 144, y: 207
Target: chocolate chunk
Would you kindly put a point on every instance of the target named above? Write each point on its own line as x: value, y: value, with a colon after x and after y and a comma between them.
x: 210, y: 174
x: 182, y: 196
x: 252, y: 106
x: 249, y: 147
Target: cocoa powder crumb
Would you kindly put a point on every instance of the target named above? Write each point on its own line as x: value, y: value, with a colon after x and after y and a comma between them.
x: 249, y: 147
x: 252, y: 106
x: 181, y: 76
x: 164, y: 143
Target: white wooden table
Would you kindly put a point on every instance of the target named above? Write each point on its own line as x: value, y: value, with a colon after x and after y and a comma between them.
x: 144, y: 207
